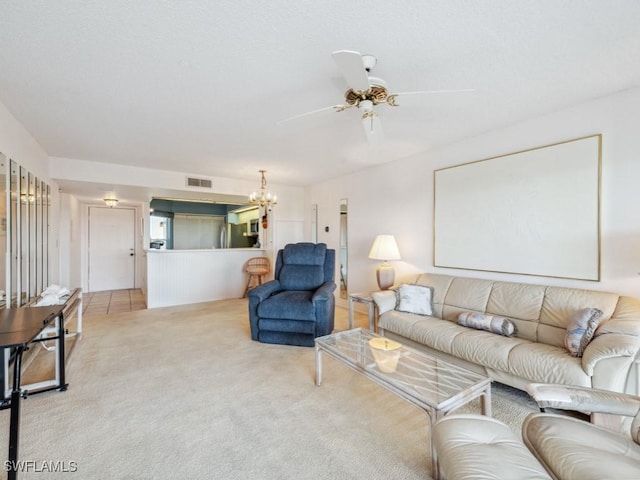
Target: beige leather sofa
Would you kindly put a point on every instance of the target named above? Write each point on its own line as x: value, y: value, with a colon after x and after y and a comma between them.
x: 536, y: 354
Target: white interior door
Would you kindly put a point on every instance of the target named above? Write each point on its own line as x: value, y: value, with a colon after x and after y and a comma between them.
x: 111, y: 248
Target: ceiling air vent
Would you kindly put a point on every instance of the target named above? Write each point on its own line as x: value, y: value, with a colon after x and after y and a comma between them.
x: 198, y: 182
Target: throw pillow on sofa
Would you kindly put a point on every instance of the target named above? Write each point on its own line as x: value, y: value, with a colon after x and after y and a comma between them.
x: 415, y: 299
x: 580, y: 330
x: 490, y: 323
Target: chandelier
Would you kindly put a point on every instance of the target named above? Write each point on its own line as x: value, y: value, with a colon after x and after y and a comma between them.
x: 263, y: 199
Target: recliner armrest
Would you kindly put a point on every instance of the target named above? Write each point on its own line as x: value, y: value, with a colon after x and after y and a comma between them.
x: 264, y: 291
x: 584, y: 399
x: 324, y: 292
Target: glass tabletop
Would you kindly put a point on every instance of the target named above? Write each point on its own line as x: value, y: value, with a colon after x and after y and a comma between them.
x: 426, y: 378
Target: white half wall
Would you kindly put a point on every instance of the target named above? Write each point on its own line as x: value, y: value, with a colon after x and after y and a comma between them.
x: 397, y: 197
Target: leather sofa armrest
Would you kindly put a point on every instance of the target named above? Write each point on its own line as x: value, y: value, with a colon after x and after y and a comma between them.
x: 264, y: 291
x: 609, y: 345
x: 385, y: 300
x: 584, y: 399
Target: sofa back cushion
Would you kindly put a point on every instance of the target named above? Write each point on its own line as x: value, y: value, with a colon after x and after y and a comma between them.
x: 466, y: 295
x: 440, y: 285
x: 519, y: 302
x: 560, y: 304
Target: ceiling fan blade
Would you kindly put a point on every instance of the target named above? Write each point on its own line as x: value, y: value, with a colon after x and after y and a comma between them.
x: 391, y: 99
x: 337, y: 108
x: 372, y: 127
x: 419, y: 92
x: 350, y: 63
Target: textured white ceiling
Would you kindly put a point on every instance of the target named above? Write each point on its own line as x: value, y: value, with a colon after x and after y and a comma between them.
x: 199, y: 86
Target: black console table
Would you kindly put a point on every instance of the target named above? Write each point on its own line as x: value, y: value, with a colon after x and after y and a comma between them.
x: 18, y: 328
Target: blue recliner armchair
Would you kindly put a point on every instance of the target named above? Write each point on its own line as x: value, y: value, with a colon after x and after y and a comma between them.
x: 298, y: 305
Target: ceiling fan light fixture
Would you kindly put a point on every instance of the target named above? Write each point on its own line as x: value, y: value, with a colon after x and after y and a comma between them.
x: 366, y: 106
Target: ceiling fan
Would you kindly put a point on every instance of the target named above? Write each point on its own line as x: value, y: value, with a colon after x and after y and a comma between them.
x: 365, y: 91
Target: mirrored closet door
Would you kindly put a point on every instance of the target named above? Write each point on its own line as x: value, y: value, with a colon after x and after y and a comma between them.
x: 24, y: 234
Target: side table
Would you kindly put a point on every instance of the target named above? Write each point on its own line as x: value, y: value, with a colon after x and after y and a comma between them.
x: 367, y: 299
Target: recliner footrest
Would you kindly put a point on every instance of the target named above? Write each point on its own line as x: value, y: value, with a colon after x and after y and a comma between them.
x: 474, y: 447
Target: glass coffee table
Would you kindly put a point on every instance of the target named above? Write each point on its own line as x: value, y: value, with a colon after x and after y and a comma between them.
x: 434, y: 385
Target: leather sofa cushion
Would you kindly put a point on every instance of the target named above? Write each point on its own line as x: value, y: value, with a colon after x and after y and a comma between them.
x: 400, y: 323
x: 485, y: 348
x: 435, y: 333
x: 542, y: 363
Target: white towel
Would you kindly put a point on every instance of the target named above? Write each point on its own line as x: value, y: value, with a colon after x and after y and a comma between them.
x: 48, y: 299
x: 53, y: 295
x: 56, y: 290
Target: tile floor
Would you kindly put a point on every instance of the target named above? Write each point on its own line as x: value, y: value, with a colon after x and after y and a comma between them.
x: 112, y: 301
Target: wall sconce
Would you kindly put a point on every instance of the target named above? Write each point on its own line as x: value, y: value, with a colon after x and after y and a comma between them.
x: 385, y: 248
x: 111, y: 202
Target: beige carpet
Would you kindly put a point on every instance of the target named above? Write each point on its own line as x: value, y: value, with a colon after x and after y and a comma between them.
x: 183, y: 392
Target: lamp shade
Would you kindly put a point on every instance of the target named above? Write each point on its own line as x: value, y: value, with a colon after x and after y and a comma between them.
x: 384, y: 248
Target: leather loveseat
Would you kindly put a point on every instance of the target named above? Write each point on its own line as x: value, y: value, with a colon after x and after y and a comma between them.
x: 536, y: 353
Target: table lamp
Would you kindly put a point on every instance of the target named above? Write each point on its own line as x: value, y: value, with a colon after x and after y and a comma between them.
x: 385, y: 248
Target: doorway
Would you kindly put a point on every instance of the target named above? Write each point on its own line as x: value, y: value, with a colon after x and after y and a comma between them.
x: 111, y: 248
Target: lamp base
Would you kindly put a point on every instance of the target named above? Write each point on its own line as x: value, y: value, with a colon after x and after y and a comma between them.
x: 386, y: 275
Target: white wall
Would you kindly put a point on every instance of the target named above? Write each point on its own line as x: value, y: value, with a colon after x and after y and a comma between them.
x: 17, y: 144
x: 70, y: 275
x: 397, y: 197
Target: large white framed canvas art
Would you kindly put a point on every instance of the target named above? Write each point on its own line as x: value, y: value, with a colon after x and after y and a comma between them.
x: 533, y: 212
